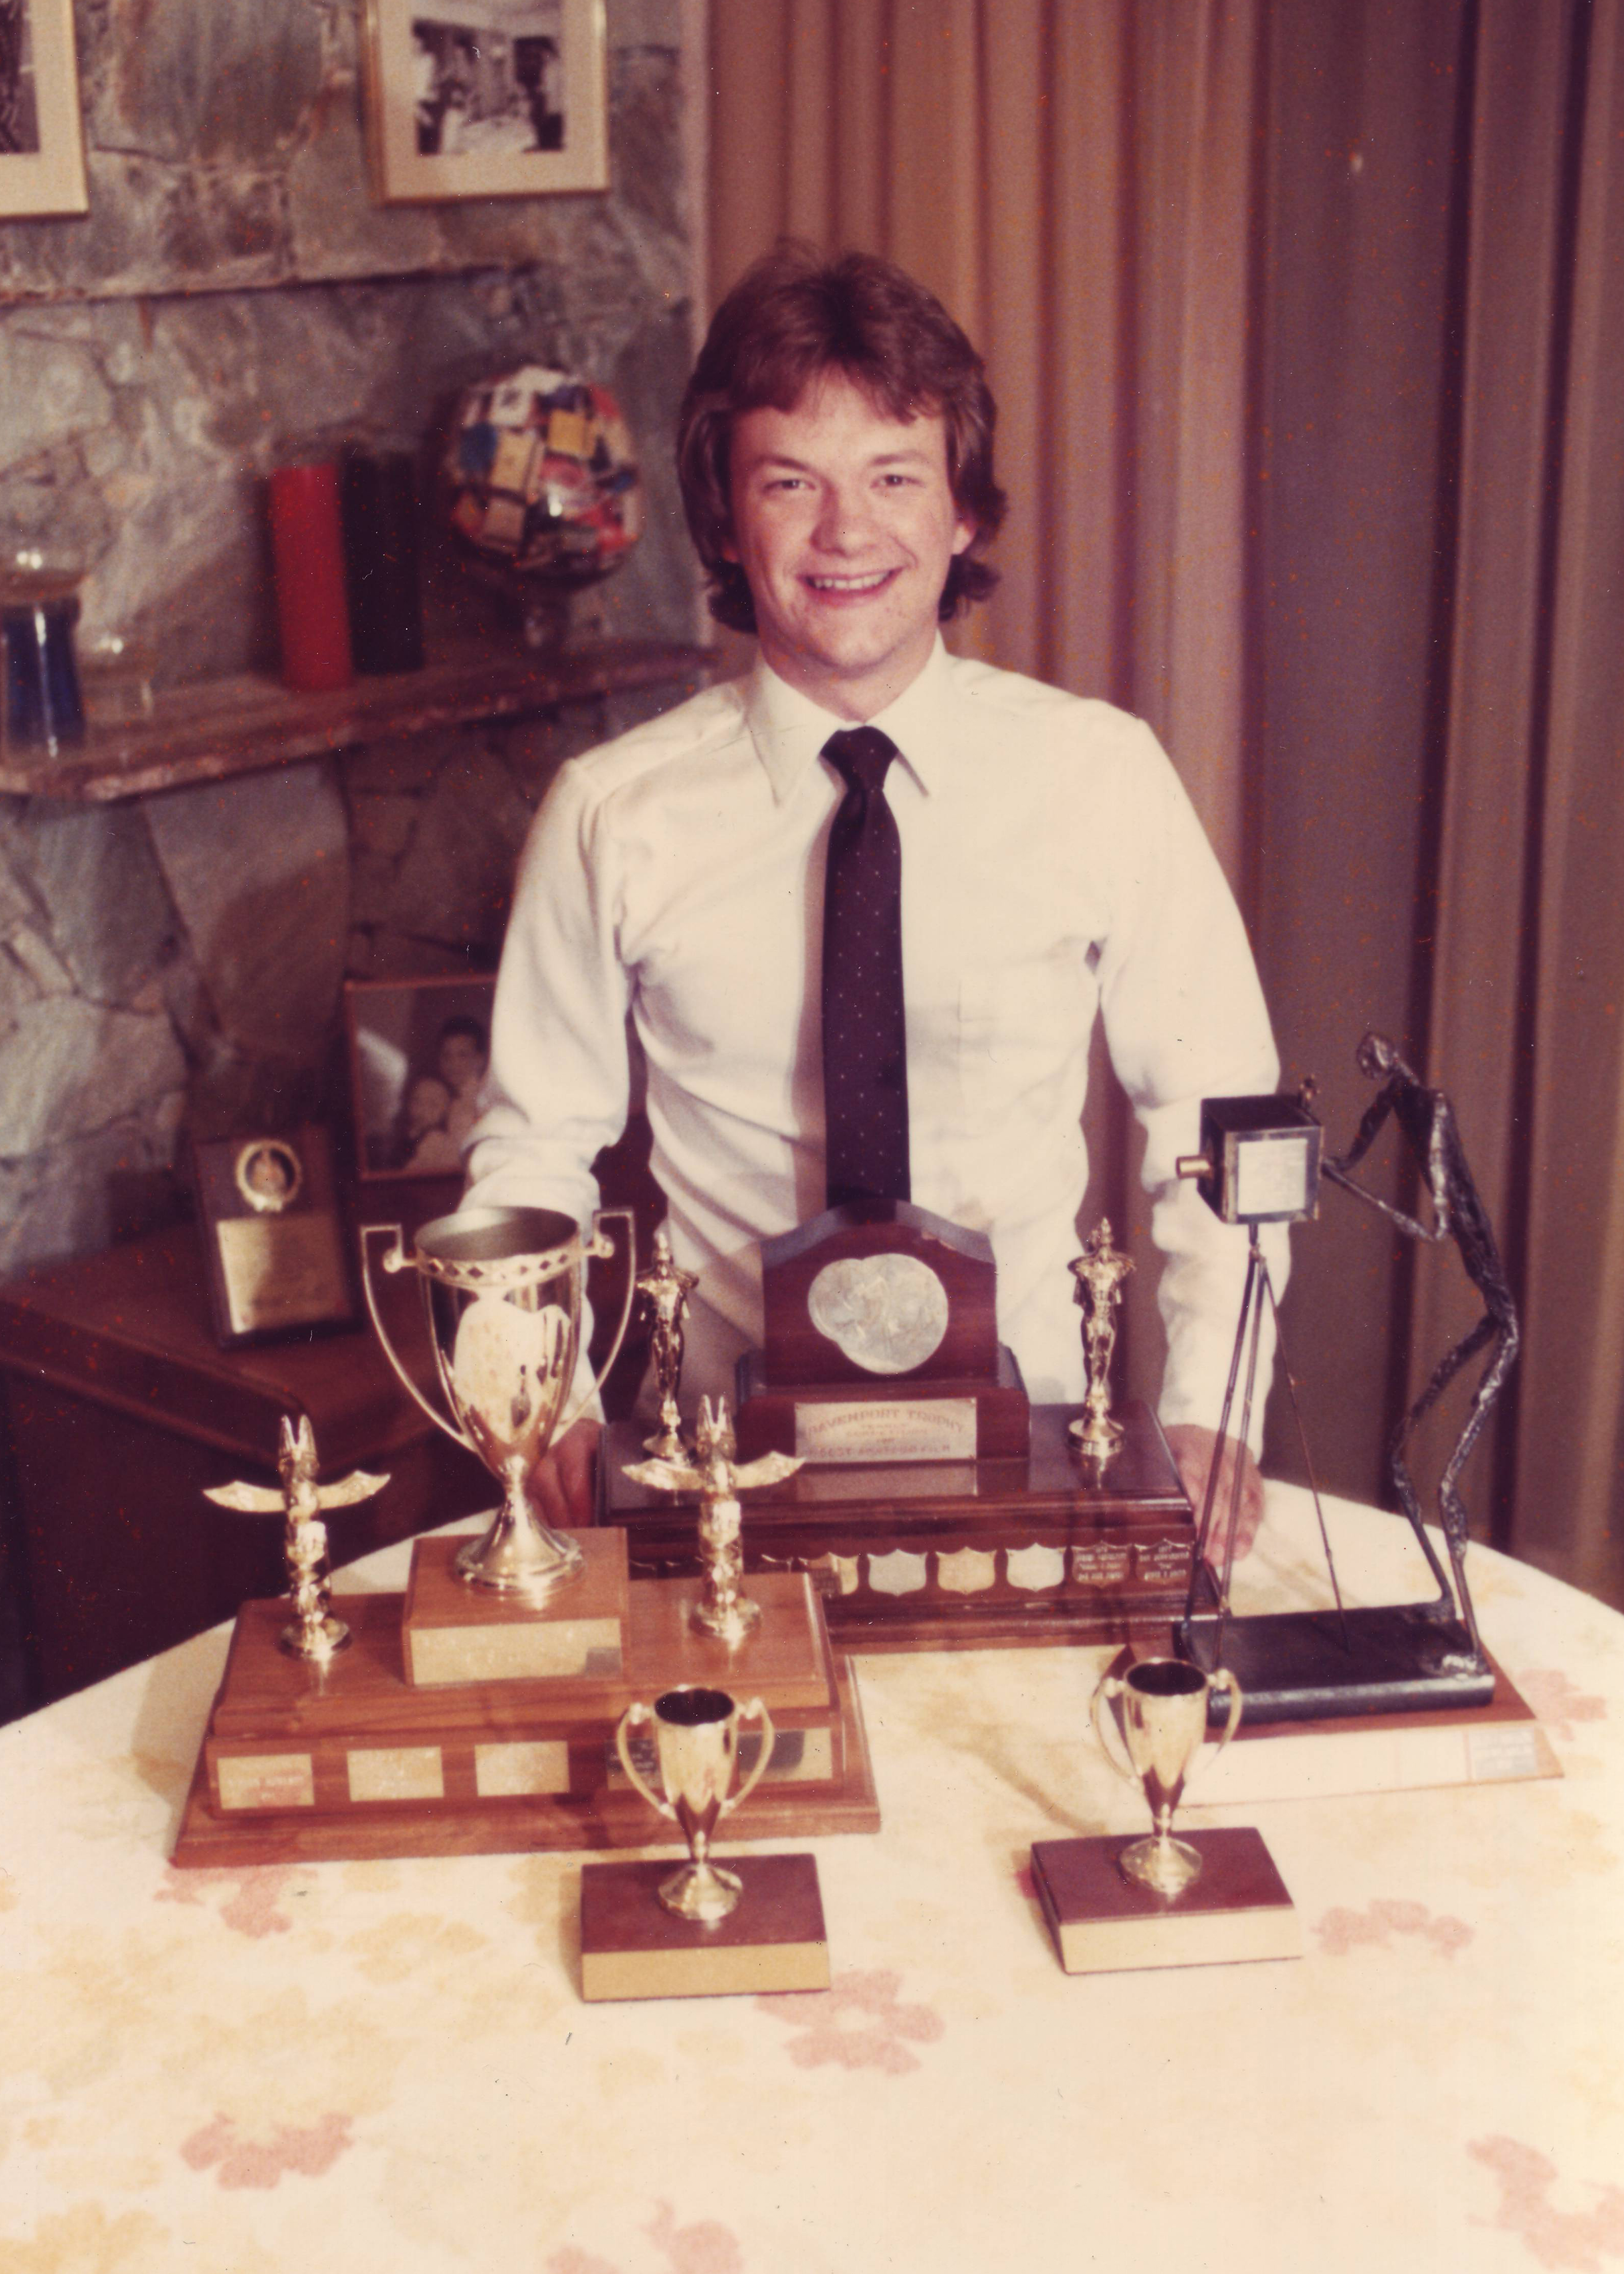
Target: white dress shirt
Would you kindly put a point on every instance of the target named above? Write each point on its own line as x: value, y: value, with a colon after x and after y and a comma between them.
x: 672, y: 891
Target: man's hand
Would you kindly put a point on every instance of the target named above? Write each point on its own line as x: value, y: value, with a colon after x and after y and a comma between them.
x: 1192, y: 1449
x: 562, y: 1485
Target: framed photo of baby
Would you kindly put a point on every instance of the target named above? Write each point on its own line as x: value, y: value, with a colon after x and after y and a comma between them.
x: 418, y: 1051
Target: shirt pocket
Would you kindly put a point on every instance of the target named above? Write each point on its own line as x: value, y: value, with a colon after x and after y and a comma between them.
x: 1022, y: 1025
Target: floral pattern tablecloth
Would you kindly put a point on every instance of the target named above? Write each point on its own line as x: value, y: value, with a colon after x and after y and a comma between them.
x: 389, y: 2066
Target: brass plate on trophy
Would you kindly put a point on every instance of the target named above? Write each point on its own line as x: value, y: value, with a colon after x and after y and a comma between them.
x: 900, y: 1420
x: 632, y: 1948
x: 1103, y: 1923
x: 456, y: 1634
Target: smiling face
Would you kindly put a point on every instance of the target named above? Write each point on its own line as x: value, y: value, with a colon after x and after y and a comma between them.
x: 462, y: 1063
x: 845, y: 526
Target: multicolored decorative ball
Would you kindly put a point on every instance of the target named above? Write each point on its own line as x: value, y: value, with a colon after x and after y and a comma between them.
x: 543, y: 476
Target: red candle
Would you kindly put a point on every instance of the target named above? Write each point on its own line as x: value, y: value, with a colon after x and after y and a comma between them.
x: 307, y: 556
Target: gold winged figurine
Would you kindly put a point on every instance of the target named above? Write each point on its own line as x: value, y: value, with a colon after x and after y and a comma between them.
x: 315, y: 1634
x: 712, y: 1472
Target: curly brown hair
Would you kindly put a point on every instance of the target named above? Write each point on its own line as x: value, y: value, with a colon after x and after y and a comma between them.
x: 791, y: 317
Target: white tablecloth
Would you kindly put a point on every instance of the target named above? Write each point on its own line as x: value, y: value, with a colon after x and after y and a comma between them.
x: 387, y: 2065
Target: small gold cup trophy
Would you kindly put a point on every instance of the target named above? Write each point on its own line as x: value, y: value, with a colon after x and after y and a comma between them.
x: 502, y: 1292
x: 1211, y: 1898
x: 1164, y: 1704
x: 697, y: 1745
x: 647, y: 1932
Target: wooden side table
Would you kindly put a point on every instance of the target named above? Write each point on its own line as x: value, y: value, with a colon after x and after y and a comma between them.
x: 122, y: 1409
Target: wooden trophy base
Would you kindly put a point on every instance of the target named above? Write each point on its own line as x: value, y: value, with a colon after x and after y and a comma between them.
x: 1104, y: 1922
x: 458, y: 1634
x: 947, y: 1555
x: 353, y: 1760
x: 631, y: 1946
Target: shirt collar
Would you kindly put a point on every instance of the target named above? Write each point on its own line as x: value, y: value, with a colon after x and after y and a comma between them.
x: 789, y: 729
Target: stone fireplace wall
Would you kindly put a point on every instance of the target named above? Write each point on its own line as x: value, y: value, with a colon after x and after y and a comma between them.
x: 234, y: 300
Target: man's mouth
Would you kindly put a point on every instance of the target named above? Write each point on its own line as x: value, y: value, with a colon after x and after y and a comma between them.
x: 840, y: 586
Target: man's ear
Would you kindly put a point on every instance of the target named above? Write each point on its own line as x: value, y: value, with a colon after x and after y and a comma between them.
x: 963, y: 532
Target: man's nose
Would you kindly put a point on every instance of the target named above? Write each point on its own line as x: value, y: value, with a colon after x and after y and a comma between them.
x: 844, y: 518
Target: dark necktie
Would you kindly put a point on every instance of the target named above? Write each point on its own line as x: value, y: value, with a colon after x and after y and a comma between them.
x: 865, y: 1046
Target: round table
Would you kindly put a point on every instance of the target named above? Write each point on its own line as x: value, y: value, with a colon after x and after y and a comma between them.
x: 388, y: 2065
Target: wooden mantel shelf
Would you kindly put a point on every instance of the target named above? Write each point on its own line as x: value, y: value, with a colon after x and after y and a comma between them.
x: 237, y: 726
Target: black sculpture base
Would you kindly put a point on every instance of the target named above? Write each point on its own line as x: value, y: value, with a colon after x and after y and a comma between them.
x: 1296, y: 1665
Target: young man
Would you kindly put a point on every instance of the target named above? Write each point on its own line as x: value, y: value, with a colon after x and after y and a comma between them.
x: 835, y: 450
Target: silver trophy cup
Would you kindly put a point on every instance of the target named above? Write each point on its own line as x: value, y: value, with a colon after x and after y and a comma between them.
x: 502, y: 1291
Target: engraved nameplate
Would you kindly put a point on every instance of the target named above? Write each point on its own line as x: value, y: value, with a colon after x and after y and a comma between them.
x: 1168, y: 1560
x: 266, y: 1781
x: 500, y: 1771
x: 887, y: 1429
x: 519, y: 1653
x: 397, y: 1773
x: 1103, y: 1564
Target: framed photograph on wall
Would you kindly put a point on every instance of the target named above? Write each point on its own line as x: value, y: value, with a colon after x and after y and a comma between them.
x: 41, y: 137
x: 486, y: 98
x: 419, y: 1049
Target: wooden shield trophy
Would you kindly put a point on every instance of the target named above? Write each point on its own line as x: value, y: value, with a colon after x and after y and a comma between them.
x: 880, y: 1344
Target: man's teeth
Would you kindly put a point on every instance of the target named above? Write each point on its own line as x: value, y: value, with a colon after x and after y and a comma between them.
x: 849, y: 583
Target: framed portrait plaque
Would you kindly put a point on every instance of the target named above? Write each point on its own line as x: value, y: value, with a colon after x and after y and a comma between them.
x: 276, y: 1251
x: 486, y: 98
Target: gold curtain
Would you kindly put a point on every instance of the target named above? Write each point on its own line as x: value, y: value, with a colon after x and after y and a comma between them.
x: 1304, y: 317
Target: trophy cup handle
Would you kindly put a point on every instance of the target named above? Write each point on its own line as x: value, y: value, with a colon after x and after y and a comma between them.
x: 1108, y: 1689
x: 1221, y: 1680
x: 754, y: 1711
x: 601, y: 1247
x: 397, y: 1260
x: 634, y: 1718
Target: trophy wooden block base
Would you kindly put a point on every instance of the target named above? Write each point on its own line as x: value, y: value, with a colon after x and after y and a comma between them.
x: 956, y: 1555
x: 1104, y: 1922
x: 631, y: 1946
x: 285, y: 1735
x: 455, y: 1633
x: 302, y: 1764
x: 857, y: 1424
